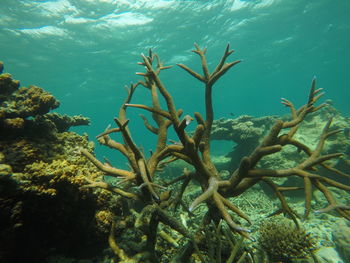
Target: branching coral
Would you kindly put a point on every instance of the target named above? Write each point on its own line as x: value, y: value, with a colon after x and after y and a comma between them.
x: 194, y: 148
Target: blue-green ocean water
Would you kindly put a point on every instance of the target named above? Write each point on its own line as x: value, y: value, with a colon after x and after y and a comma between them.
x: 85, y: 51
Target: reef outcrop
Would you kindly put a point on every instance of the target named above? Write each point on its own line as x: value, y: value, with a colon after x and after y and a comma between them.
x: 25, y: 111
x: 44, y: 207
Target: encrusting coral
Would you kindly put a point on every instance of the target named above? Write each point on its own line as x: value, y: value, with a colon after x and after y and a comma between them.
x: 143, y: 187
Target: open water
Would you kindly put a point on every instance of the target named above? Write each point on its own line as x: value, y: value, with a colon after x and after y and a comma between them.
x: 85, y: 51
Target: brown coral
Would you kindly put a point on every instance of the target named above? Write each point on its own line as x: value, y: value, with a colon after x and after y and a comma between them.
x: 48, y: 178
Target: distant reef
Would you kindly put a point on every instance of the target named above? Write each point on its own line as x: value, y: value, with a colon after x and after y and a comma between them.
x: 246, y: 132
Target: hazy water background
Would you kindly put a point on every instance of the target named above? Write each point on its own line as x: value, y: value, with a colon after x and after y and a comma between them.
x: 85, y: 51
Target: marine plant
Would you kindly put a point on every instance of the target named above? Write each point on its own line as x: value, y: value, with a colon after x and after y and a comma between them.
x: 150, y: 200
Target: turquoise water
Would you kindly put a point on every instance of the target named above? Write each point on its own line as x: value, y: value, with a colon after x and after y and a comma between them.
x: 85, y: 51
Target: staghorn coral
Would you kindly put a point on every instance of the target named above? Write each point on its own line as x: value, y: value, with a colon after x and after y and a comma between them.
x: 143, y: 186
x: 247, y: 132
x: 308, y: 133
x: 283, y: 241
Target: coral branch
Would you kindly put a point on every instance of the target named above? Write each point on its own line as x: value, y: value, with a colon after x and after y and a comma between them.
x: 107, y: 169
x: 212, y: 188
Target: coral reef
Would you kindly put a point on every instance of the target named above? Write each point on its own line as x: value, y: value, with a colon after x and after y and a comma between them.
x: 64, y: 122
x: 309, y: 133
x: 247, y: 132
x: 45, y: 208
x: 157, y: 204
x: 242, y: 129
